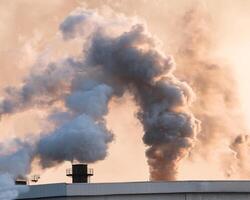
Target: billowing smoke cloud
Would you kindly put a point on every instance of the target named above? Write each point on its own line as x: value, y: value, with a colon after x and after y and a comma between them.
x: 13, y: 164
x: 118, y: 56
x: 17, y: 162
x: 163, y: 100
x: 200, y: 36
x: 217, y: 105
x: 81, y: 139
x: 8, y: 189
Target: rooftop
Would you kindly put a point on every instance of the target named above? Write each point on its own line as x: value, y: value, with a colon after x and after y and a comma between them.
x: 128, y: 188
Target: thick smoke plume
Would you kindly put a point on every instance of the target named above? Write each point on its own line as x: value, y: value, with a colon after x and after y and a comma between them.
x: 217, y: 105
x: 118, y: 56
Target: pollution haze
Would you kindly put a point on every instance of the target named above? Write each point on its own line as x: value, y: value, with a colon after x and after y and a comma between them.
x: 145, y: 90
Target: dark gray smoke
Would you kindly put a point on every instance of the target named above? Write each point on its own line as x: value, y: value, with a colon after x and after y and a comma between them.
x: 116, y: 58
x: 163, y: 100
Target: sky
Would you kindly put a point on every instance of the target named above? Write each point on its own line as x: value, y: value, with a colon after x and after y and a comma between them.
x: 28, y: 34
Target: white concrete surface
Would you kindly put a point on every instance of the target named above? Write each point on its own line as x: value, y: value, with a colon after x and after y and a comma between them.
x: 175, y: 190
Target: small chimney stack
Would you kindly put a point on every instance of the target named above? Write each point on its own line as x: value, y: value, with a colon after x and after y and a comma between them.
x: 80, y: 173
x: 21, y: 181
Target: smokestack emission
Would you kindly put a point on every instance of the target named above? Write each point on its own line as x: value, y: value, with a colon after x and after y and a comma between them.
x: 118, y: 56
x: 212, y: 80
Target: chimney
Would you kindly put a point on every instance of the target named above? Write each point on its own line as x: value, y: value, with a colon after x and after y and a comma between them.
x: 21, y: 181
x: 80, y: 173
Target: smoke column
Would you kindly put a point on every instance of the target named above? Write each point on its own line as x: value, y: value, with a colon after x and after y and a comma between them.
x: 118, y: 55
x: 202, y: 38
x: 241, y: 147
x: 217, y: 105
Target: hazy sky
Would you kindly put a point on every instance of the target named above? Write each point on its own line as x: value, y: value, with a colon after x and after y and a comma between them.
x: 28, y: 33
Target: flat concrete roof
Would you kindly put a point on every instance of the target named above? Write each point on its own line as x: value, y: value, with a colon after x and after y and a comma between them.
x: 101, y: 189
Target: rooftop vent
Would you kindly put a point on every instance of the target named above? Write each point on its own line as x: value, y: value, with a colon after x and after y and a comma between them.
x: 21, y: 181
x: 80, y: 173
x: 35, y: 178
